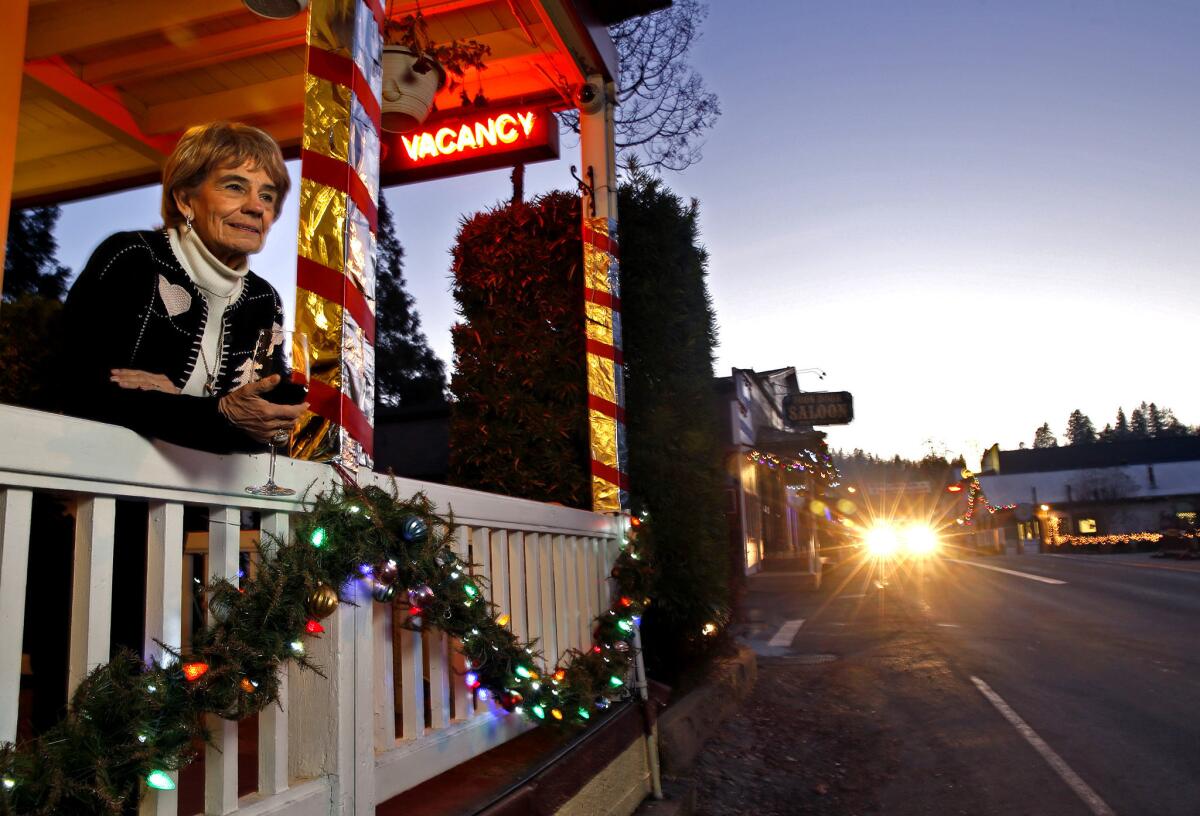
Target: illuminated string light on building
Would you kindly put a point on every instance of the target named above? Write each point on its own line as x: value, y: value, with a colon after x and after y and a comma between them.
x: 1116, y: 539
x: 818, y: 465
x: 975, y: 497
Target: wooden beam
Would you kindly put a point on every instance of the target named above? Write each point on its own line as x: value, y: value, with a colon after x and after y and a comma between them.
x: 74, y: 175
x: 13, y: 14
x: 591, y: 49
x: 214, y: 48
x: 239, y: 104
x: 101, y: 110
x: 59, y: 28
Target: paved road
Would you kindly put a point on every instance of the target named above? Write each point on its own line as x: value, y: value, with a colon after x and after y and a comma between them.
x: 962, y: 688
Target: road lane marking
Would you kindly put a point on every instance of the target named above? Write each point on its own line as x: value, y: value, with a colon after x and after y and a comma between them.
x: 786, y: 633
x: 1028, y: 575
x: 848, y: 597
x: 950, y: 625
x: 1073, y: 780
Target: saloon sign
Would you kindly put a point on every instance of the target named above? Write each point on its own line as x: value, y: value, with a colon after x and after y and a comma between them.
x: 819, y: 408
x: 465, y: 144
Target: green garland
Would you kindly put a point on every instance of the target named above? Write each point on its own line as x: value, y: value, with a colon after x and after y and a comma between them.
x: 132, y: 722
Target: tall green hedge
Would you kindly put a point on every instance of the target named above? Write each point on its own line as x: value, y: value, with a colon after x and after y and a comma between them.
x: 518, y: 424
x: 674, y: 440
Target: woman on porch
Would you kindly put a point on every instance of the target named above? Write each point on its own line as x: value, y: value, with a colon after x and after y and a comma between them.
x: 161, y: 325
x: 159, y: 336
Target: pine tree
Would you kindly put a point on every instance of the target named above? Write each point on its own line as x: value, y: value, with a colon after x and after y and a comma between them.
x: 1080, y: 430
x: 407, y: 372
x: 1155, y: 419
x: 30, y: 263
x: 34, y: 283
x: 1139, y: 426
x: 1108, y: 434
x: 1121, y: 426
x: 1043, y: 437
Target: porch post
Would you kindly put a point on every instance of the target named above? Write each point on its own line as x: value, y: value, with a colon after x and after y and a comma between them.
x: 14, y: 18
x: 339, y: 191
x: 602, y: 302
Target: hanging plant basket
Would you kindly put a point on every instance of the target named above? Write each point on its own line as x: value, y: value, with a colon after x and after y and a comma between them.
x: 410, y: 83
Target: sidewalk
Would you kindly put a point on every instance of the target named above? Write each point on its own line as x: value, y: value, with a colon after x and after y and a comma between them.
x: 1139, y: 560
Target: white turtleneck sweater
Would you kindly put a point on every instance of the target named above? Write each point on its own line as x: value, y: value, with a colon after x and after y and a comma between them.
x: 220, y: 285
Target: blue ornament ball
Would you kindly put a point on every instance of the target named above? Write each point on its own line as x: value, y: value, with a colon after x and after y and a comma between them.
x: 413, y: 529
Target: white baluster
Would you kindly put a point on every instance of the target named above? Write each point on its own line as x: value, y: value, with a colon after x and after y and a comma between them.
x: 516, y: 585
x: 582, y: 604
x: 547, y: 611
x: 164, y: 583
x: 463, y: 706
x: 273, y: 720
x: 15, y: 513
x: 220, y: 754
x: 589, y: 599
x: 91, y: 591
x: 439, y: 677
x: 413, y: 684
x: 383, y: 622
x: 499, y: 576
x: 562, y: 593
x: 533, y: 594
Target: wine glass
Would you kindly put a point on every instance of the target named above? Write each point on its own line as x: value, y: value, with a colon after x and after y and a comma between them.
x: 284, y: 353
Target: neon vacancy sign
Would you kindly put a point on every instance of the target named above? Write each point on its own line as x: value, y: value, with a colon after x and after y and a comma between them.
x: 480, y: 141
x: 495, y: 131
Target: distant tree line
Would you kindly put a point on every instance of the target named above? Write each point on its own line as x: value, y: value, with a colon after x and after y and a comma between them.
x: 861, y: 468
x: 1147, y: 421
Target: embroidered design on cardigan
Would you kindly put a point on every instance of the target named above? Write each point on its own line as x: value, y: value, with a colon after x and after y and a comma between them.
x: 174, y: 297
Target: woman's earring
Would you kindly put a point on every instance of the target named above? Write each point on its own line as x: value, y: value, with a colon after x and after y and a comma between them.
x: 187, y: 227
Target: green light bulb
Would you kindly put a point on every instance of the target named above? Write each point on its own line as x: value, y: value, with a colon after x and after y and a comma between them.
x: 539, y: 711
x: 616, y: 681
x: 318, y: 537
x: 583, y: 712
x: 160, y: 780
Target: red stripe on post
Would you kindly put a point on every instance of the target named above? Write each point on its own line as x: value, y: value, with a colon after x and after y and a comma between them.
x: 610, y: 474
x: 603, y: 298
x: 342, y: 71
x: 339, y: 175
x: 370, y: 105
x: 606, y: 351
x: 326, y: 401
x: 607, y: 408
x: 336, y: 288
x: 600, y: 241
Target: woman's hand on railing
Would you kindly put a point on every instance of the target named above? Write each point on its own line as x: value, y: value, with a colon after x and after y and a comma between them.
x: 142, y: 381
x: 261, y: 420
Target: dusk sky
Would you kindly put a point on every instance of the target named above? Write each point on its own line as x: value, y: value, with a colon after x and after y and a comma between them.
x: 975, y: 216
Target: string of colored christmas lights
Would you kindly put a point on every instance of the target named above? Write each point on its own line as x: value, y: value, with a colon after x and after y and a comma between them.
x: 131, y: 722
x: 819, y: 465
x: 975, y: 494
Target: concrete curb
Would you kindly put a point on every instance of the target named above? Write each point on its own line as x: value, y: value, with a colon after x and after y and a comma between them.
x: 686, y: 725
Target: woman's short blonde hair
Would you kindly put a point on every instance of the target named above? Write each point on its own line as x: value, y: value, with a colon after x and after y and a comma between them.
x: 219, y: 145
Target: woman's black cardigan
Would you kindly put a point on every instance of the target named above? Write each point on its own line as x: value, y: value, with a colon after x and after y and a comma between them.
x: 134, y: 306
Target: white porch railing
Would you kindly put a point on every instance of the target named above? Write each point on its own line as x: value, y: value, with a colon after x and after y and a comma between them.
x: 392, y: 710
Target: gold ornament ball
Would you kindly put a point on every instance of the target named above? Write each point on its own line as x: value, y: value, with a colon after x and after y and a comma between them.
x: 322, y: 601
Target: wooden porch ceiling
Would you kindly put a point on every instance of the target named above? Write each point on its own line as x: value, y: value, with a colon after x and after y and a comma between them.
x: 110, y: 84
